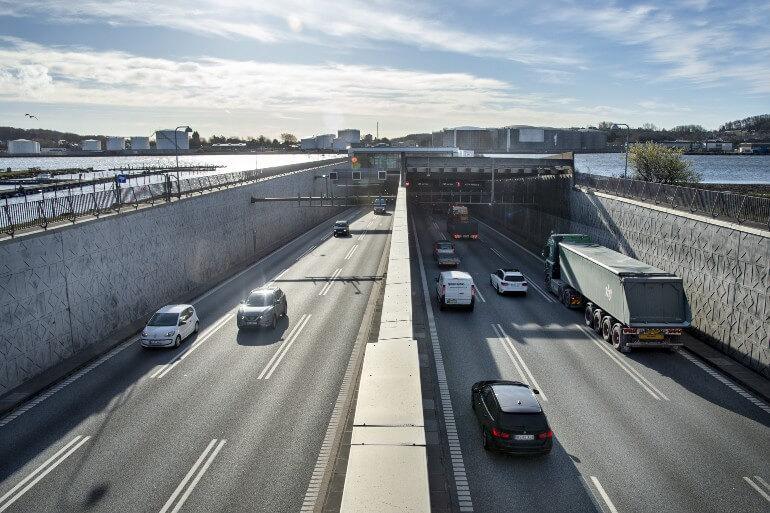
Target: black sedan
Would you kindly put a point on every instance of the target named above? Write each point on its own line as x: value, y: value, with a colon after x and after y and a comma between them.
x: 511, y: 418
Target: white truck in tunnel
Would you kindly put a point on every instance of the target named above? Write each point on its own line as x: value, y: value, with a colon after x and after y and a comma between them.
x: 630, y: 303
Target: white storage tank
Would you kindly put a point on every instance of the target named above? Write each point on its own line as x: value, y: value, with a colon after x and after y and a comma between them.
x: 91, y: 145
x: 340, y: 144
x: 349, y: 135
x: 308, y: 143
x: 140, y: 143
x: 23, y: 146
x: 164, y: 140
x: 324, y: 142
x: 116, y: 143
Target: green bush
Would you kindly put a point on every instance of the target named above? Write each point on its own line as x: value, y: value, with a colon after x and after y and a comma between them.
x: 656, y: 163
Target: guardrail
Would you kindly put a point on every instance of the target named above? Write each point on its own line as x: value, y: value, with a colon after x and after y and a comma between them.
x: 42, y: 212
x: 739, y: 208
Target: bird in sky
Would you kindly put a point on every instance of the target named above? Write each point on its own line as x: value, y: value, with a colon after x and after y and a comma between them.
x: 30, y: 116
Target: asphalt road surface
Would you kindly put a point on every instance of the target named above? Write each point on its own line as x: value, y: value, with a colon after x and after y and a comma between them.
x: 650, y: 431
x: 228, y: 422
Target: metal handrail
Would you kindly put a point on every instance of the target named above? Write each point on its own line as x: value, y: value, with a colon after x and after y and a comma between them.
x: 32, y: 213
x: 740, y: 208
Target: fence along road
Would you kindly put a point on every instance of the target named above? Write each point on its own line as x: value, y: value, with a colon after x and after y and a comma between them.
x: 740, y: 208
x: 15, y: 217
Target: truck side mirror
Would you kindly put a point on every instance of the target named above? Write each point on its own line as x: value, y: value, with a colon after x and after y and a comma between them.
x: 535, y: 391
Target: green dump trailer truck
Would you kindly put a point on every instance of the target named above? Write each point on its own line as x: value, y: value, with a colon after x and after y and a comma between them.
x: 631, y: 304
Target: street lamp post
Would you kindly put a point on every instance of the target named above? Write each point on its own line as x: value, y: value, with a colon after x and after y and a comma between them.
x: 628, y: 130
x: 187, y: 130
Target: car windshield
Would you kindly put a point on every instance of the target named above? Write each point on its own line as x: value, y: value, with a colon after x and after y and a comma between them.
x: 523, y: 422
x: 260, y: 299
x: 163, y: 319
x: 513, y: 277
x: 341, y: 223
x: 444, y: 246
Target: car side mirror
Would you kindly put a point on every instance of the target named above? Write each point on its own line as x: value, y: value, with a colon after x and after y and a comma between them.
x: 535, y: 391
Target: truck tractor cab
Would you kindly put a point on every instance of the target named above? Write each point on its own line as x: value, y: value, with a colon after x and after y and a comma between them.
x: 551, y: 252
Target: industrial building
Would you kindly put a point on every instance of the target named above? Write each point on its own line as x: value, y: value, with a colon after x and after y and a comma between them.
x: 23, y: 146
x: 91, y: 145
x: 140, y: 143
x: 521, y: 139
x: 717, y: 145
x: 116, y: 143
x: 755, y: 148
x: 165, y: 140
x: 345, y: 138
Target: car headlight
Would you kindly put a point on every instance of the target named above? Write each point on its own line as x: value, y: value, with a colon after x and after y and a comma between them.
x: 169, y: 333
x: 144, y: 333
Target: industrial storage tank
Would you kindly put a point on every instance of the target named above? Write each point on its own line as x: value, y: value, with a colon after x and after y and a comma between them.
x: 23, y: 146
x: 324, y: 142
x: 349, y: 135
x: 164, y: 140
x: 116, y: 143
x: 91, y: 145
x: 307, y: 143
x: 140, y: 143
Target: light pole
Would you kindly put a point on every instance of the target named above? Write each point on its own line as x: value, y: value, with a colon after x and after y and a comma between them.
x: 628, y: 130
x: 187, y: 130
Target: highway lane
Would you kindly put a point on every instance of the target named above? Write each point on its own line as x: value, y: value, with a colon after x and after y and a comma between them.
x: 646, y: 432
x: 234, y: 424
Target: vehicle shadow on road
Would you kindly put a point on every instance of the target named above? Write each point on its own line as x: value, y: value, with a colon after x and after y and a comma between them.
x: 263, y: 336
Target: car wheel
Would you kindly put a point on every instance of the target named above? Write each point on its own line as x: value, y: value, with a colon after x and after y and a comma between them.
x: 588, y: 316
x: 285, y: 309
x: 197, y: 327
x: 485, y: 439
x: 177, y: 341
x: 275, y: 322
x: 498, y: 288
x: 441, y: 304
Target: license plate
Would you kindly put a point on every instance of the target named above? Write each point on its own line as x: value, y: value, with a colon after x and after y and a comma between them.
x: 451, y: 301
x: 523, y: 437
x: 651, y: 335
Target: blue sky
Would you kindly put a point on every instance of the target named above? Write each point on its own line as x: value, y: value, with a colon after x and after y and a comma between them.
x: 245, y: 67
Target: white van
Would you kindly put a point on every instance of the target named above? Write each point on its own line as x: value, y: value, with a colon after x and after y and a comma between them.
x: 455, y: 288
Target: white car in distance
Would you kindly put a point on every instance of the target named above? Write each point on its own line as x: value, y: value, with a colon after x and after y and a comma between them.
x: 169, y: 326
x: 508, y: 281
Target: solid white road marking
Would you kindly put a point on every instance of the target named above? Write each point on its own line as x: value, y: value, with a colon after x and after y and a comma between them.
x: 198, y: 469
x: 306, y: 252
x: 328, y: 285
x: 627, y: 368
x: 508, y: 346
x: 351, y: 251
x: 271, y: 283
x: 722, y: 379
x: 465, y: 503
x: 275, y: 360
x: 605, y: 497
x: 40, y: 472
x: 756, y: 487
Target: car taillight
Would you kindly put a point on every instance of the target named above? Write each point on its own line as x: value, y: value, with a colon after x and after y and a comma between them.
x: 500, y: 434
x: 474, y: 236
x: 443, y: 290
x: 545, y: 435
x: 456, y: 236
x: 473, y: 290
x: 524, y: 284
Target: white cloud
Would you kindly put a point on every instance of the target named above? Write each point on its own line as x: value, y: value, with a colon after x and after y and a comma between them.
x: 347, y: 23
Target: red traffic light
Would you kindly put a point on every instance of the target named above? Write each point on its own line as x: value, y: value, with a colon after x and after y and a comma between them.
x: 458, y: 184
x: 407, y: 183
x: 354, y: 160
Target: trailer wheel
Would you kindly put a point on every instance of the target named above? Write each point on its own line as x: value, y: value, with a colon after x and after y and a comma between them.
x: 607, y: 328
x: 618, y: 340
x: 588, y: 315
x: 597, y: 321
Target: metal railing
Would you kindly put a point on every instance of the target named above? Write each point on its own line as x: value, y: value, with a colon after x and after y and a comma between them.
x: 739, y: 208
x: 15, y: 217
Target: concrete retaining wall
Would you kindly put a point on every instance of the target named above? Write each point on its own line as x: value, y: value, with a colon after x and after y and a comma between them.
x: 725, y: 267
x: 78, y: 289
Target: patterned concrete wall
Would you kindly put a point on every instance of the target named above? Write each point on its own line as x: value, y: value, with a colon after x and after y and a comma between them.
x: 79, y: 286
x: 725, y: 270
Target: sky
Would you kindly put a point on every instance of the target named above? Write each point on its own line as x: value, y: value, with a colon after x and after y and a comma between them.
x: 246, y: 67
